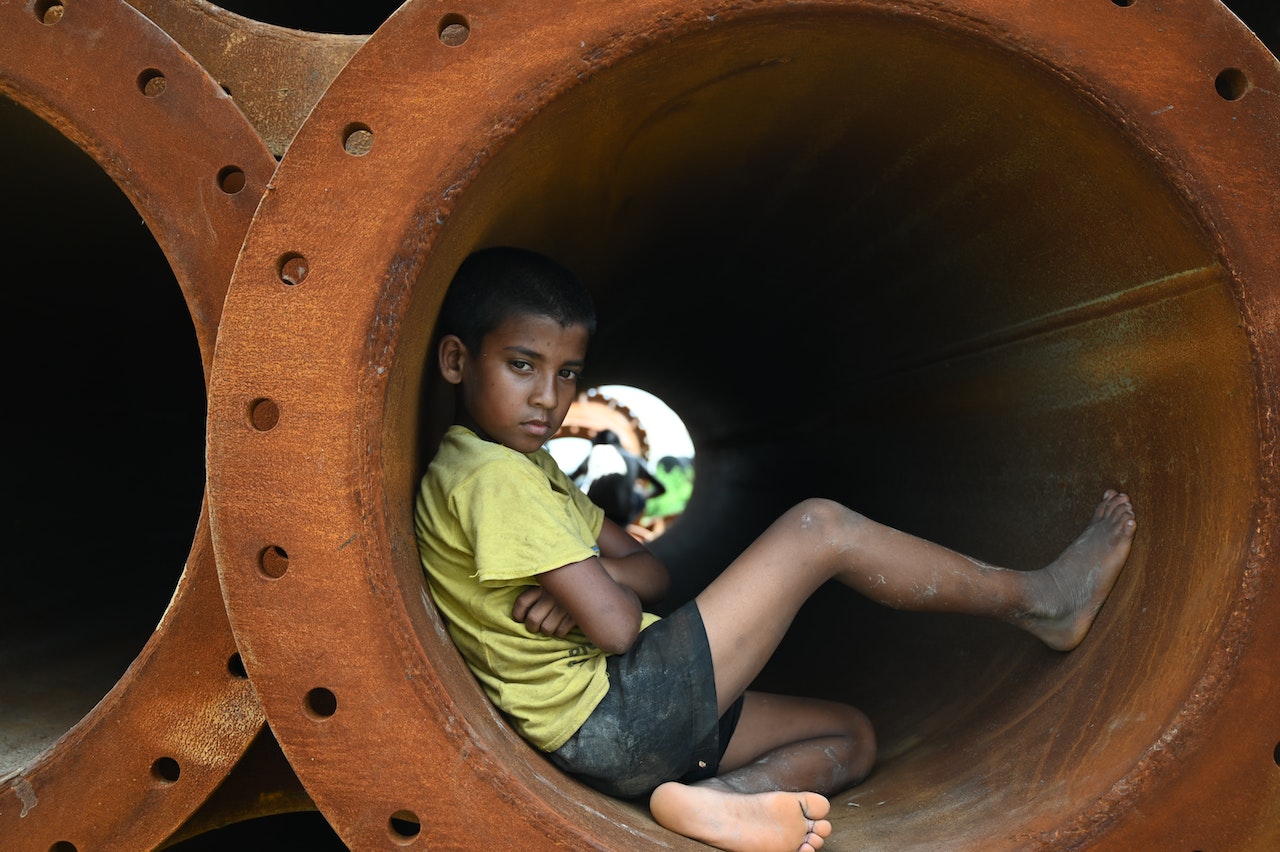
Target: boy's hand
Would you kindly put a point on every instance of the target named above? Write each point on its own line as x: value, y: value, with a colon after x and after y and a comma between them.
x: 540, y: 613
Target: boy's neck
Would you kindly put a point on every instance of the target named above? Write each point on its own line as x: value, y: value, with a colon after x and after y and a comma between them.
x: 479, y: 433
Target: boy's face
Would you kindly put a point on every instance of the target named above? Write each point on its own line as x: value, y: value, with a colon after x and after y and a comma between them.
x: 518, y: 388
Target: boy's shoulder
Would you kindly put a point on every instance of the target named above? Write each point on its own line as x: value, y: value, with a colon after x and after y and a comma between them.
x: 463, y: 454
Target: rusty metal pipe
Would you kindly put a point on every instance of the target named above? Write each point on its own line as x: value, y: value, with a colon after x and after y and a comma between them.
x: 122, y: 714
x: 961, y: 264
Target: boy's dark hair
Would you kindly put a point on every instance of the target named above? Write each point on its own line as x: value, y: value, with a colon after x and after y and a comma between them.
x: 496, y: 283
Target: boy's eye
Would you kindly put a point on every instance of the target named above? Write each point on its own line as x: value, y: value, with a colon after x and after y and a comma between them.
x: 570, y: 375
x: 520, y: 364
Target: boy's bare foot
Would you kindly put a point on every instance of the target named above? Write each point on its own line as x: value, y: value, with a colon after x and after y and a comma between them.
x: 742, y: 822
x: 1079, y: 580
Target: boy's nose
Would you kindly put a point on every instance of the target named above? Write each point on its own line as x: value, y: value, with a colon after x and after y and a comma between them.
x: 544, y: 394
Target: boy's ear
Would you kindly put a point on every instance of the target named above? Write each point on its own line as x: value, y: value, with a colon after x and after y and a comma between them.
x: 452, y: 355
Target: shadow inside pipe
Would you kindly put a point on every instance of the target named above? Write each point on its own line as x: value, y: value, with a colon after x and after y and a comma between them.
x: 105, y: 438
x: 915, y: 273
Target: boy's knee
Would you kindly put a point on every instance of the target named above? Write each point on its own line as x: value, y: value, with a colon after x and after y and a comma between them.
x: 817, y: 512
x: 821, y: 516
x: 862, y: 739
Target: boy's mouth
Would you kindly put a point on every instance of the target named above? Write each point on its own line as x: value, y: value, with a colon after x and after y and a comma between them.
x: 537, y: 427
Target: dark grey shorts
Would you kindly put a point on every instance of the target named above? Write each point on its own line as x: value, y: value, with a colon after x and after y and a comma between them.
x: 658, y: 720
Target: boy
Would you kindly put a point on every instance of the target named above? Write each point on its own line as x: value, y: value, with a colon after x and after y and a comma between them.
x: 545, y: 597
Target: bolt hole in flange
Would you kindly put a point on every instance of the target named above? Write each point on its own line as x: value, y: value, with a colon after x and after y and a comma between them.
x: 1232, y: 84
x: 273, y: 561
x: 321, y: 702
x: 166, y: 770
x: 152, y: 83
x: 357, y: 140
x: 405, y: 826
x: 293, y: 268
x: 231, y: 179
x: 49, y: 12
x: 264, y: 414
x: 454, y: 30
x: 995, y: 301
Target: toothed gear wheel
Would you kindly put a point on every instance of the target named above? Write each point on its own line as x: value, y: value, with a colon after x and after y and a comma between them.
x: 593, y: 412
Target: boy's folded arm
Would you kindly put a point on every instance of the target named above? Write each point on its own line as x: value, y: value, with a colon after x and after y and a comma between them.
x: 630, y: 563
x: 607, y: 611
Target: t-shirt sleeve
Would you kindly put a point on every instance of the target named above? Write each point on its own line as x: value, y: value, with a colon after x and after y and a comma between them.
x: 561, y: 481
x: 520, y: 525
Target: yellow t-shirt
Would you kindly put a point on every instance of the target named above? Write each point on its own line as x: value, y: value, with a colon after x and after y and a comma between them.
x: 489, y: 520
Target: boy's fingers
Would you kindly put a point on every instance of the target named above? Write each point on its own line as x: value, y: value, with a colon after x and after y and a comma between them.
x: 524, y: 602
x: 542, y: 614
x: 552, y: 620
x: 539, y: 612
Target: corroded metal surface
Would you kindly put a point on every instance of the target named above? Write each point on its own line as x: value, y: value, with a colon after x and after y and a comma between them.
x: 1024, y: 252
x: 137, y: 765
x: 275, y: 74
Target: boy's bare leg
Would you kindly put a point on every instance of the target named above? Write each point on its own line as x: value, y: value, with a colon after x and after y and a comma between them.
x: 748, y: 608
x: 788, y: 742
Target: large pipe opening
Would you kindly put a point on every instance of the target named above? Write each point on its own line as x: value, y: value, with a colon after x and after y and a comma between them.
x: 922, y: 275
x: 106, y: 448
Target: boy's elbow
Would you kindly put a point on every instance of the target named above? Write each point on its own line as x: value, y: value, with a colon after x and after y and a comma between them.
x: 618, y: 642
x: 619, y: 636
x: 619, y: 646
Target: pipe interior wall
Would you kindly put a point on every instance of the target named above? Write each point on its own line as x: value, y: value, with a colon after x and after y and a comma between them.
x: 966, y: 324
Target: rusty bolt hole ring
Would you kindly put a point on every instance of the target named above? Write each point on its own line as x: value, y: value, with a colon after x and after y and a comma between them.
x: 130, y: 767
x: 392, y: 225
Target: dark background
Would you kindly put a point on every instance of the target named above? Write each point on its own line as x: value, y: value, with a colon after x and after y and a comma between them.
x: 342, y: 16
